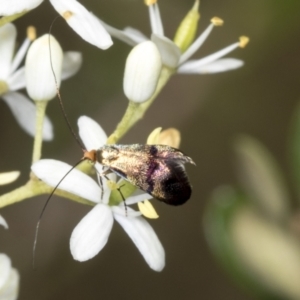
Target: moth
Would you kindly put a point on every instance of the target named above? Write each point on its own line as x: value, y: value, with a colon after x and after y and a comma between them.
x: 156, y: 169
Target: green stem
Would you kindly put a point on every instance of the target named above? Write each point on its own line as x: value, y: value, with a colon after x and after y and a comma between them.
x: 9, y: 19
x: 136, y: 111
x: 35, y: 187
x: 38, y: 139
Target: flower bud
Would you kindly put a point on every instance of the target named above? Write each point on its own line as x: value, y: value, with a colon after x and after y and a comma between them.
x: 186, y: 31
x: 142, y: 71
x: 40, y: 81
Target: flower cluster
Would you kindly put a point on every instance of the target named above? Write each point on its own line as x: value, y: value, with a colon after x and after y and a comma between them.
x: 149, y: 66
x: 175, y: 54
x: 13, y: 78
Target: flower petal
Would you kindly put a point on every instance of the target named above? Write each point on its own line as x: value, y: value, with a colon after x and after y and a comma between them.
x: 11, y: 7
x: 8, y: 177
x: 155, y: 19
x: 20, y: 55
x: 83, y: 22
x: 130, y: 37
x: 170, y: 53
x: 135, y: 35
x: 11, y: 288
x: 153, y: 136
x: 196, y: 44
x: 91, y: 133
x: 5, y: 267
x: 40, y: 66
x: 220, y: 65
x: 197, y: 64
x: 24, y: 112
x: 145, y: 239
x: 52, y: 172
x: 3, y: 222
x: 170, y: 137
x: 72, y: 61
x: 16, y: 81
x: 8, y: 34
x: 147, y: 210
x: 92, y: 232
x: 137, y: 197
x: 128, y: 213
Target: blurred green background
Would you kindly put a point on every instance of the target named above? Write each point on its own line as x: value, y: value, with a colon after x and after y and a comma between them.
x: 209, y: 110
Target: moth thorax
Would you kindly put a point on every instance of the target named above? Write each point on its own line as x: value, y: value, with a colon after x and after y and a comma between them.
x: 106, y: 154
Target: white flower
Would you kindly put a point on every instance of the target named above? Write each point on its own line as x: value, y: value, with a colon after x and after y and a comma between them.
x: 92, y: 232
x: 82, y: 21
x: 170, y: 52
x: 12, y: 78
x: 9, y: 279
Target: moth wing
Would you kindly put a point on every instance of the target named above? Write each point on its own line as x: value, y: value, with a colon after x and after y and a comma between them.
x: 171, y: 182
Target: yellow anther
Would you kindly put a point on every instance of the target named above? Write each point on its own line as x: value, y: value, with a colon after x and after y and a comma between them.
x: 217, y: 21
x: 147, y: 210
x: 67, y: 15
x: 31, y: 33
x: 150, y: 2
x: 244, y: 40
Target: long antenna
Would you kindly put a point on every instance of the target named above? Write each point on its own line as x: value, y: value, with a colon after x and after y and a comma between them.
x: 74, y: 135
x: 43, y: 210
x: 58, y: 92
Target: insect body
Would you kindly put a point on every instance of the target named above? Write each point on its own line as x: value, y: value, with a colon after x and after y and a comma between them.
x: 156, y: 169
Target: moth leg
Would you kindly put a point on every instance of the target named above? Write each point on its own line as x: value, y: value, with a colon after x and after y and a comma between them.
x: 115, y: 186
x: 125, y: 205
x: 104, y: 174
x: 100, y: 181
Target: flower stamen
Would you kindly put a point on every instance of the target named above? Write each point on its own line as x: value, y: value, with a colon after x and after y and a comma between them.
x: 217, y: 21
x: 67, y: 15
x: 31, y: 33
x: 150, y: 2
x: 244, y: 40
